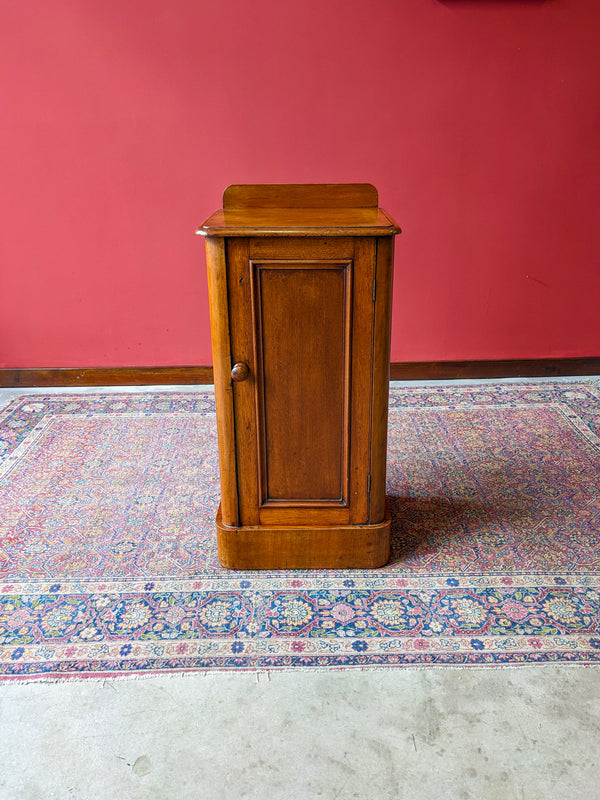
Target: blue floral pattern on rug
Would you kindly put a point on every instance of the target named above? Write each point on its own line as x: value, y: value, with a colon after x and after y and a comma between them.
x: 108, y: 558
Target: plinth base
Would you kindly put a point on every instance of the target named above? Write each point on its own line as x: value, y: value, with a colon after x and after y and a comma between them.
x: 327, y: 547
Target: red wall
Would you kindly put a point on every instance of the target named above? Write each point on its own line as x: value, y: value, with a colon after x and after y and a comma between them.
x: 122, y: 122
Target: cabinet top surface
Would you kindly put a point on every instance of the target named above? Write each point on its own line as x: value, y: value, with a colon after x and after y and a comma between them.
x: 300, y: 209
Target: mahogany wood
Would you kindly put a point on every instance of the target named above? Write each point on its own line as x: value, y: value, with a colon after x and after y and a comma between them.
x: 304, y: 547
x: 289, y: 348
x: 299, y: 222
x: 381, y: 374
x: 241, y: 349
x: 240, y: 372
x: 308, y: 275
x: 306, y: 195
x: 220, y: 335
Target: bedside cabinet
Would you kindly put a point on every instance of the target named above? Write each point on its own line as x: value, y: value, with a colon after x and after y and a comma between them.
x: 300, y: 284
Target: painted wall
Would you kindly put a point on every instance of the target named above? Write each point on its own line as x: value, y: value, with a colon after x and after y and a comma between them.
x: 122, y: 122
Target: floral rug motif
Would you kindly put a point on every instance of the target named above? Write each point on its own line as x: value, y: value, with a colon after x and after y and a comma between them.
x: 108, y: 560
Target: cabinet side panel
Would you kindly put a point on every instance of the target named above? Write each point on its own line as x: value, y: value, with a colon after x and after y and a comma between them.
x: 219, y: 324
x: 301, y: 314
x: 381, y: 375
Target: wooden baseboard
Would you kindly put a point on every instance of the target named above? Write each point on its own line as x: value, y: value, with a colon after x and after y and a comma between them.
x: 106, y: 376
x: 505, y: 368
x: 399, y: 371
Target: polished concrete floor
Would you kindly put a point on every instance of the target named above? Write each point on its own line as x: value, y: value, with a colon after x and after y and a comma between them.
x: 523, y: 733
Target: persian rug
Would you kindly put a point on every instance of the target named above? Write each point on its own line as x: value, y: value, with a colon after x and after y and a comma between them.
x: 108, y: 561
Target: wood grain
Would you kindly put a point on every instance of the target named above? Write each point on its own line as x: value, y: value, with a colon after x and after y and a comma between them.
x: 302, y: 327
x: 301, y: 195
x: 298, y: 222
x: 221, y: 348
x: 304, y: 547
x: 381, y: 373
x: 362, y: 379
x: 105, y: 376
x: 242, y: 349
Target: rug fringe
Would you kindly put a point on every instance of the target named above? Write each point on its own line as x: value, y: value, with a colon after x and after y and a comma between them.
x: 107, y: 680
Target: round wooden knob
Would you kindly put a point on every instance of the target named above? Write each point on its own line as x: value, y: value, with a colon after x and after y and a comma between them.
x: 240, y: 371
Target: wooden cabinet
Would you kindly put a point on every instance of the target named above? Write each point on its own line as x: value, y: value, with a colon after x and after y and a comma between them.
x: 300, y: 280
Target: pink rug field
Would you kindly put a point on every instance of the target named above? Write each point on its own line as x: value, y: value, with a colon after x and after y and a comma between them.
x: 108, y: 560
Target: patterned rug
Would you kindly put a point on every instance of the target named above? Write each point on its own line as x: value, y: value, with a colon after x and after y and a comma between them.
x: 108, y: 558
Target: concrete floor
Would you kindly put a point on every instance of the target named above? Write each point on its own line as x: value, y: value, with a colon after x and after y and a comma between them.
x: 523, y: 733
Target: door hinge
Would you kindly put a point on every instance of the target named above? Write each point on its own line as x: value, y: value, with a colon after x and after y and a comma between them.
x: 369, y: 483
x: 374, y: 288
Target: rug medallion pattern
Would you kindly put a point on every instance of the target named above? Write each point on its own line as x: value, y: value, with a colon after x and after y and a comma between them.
x: 108, y: 559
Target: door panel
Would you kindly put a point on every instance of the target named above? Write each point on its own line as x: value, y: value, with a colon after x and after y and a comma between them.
x: 301, y: 313
x: 302, y: 319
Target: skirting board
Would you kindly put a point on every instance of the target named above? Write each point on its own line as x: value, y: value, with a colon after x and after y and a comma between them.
x: 106, y: 376
x: 399, y: 371
x: 501, y: 368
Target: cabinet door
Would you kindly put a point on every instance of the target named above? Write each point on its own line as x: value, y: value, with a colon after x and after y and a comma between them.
x: 301, y: 318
